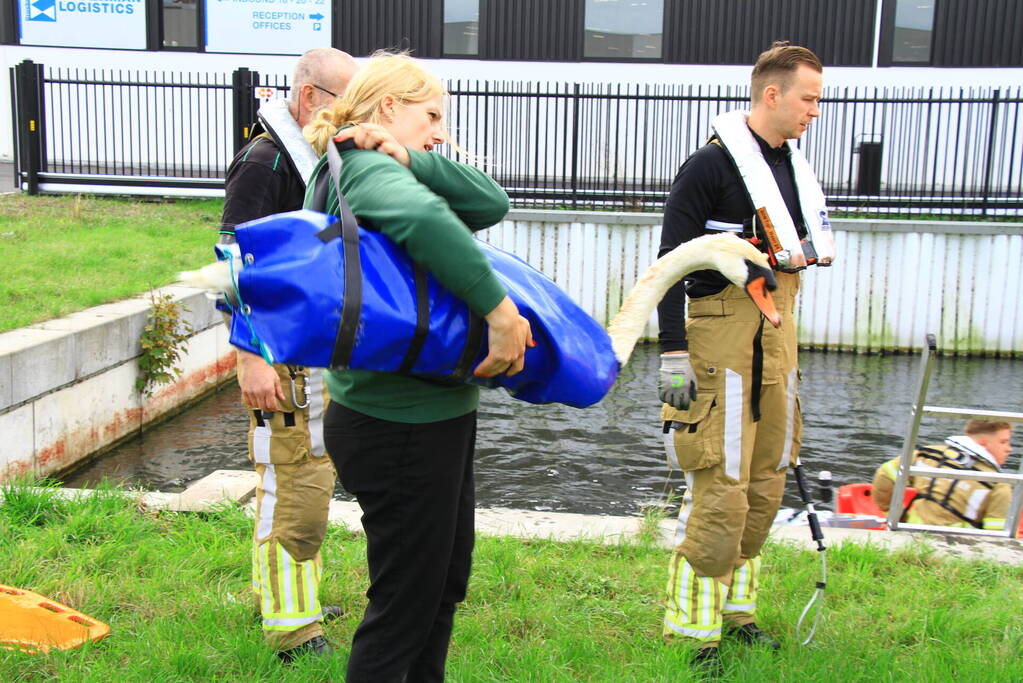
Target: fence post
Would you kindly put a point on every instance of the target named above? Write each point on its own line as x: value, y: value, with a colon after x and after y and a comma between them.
x: 28, y: 129
x: 246, y: 104
x: 575, y: 145
x: 995, y: 100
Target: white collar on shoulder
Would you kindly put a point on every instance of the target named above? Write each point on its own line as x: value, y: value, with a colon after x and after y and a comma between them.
x: 963, y: 442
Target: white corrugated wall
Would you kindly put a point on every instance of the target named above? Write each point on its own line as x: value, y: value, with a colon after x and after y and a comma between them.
x: 894, y: 281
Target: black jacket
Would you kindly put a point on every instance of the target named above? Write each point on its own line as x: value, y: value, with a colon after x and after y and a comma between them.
x: 708, y: 187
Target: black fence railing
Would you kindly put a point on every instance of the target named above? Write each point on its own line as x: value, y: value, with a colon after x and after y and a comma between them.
x: 876, y: 150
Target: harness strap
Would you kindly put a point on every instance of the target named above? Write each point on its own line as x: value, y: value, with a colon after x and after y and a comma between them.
x: 758, y: 371
x: 422, y: 320
x: 348, y: 229
x: 943, y: 461
x: 472, y: 346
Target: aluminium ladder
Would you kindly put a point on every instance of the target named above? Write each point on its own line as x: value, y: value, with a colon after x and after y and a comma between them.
x: 907, y: 468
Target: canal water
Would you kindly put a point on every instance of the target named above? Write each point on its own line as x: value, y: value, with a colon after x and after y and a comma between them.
x: 609, y: 459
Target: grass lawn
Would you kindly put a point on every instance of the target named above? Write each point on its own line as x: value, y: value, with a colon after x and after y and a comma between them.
x: 173, y: 588
x: 62, y: 254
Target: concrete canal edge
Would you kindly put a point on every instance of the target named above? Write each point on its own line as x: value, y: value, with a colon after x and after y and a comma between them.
x: 67, y: 386
x: 233, y: 487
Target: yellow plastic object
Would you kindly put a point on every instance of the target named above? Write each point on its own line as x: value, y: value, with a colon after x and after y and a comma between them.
x: 34, y: 623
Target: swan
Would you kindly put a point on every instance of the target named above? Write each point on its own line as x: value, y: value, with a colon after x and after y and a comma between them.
x: 740, y: 262
x: 576, y: 361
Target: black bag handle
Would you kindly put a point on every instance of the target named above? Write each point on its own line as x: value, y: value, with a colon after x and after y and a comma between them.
x: 347, y: 228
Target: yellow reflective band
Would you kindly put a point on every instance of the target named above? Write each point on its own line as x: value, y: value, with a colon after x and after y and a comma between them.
x: 694, y: 603
x: 995, y: 523
x: 742, y: 596
x: 288, y: 589
x: 891, y: 468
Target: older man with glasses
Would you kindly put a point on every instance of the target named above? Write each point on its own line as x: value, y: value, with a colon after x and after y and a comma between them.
x: 285, y: 403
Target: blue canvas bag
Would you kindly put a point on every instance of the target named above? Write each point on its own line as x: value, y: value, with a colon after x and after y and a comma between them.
x: 319, y: 291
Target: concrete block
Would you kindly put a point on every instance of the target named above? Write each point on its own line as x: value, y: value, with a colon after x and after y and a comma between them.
x: 41, y: 361
x: 346, y: 513
x: 84, y: 417
x: 223, y: 340
x: 135, y: 313
x: 158, y: 500
x: 201, y: 370
x: 17, y: 445
x: 216, y: 488
x: 6, y: 382
x: 101, y: 341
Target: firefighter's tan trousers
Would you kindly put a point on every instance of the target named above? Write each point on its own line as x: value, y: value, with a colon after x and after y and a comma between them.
x: 734, y: 466
x: 296, y: 481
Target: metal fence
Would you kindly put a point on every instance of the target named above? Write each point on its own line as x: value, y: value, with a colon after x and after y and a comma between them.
x: 876, y: 150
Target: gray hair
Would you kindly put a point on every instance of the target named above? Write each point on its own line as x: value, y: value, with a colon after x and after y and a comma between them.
x: 311, y: 68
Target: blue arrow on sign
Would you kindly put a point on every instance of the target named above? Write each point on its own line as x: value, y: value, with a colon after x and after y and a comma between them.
x: 43, y: 10
x: 316, y: 17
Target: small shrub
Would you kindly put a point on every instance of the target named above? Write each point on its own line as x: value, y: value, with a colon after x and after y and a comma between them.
x: 163, y: 340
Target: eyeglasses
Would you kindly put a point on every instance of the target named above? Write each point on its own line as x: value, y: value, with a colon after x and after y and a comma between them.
x: 320, y: 87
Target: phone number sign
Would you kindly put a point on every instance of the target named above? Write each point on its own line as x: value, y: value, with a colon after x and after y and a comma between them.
x: 280, y: 27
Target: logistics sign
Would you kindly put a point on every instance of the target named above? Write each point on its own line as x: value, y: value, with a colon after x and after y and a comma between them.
x: 83, y: 23
x: 244, y: 26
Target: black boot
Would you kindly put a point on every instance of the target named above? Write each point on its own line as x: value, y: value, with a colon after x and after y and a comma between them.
x: 317, y: 646
x: 332, y: 612
x: 707, y: 662
x: 751, y: 634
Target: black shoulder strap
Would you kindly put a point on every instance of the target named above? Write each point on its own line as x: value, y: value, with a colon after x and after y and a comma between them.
x: 347, y: 228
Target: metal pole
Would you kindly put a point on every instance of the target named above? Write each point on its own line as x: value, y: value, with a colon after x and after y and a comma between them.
x: 1015, y: 507
x: 909, y: 446
x: 29, y: 122
x: 244, y: 83
x: 995, y: 99
x: 575, y: 145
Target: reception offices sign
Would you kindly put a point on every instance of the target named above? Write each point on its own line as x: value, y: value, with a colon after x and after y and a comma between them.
x: 119, y: 24
x: 282, y: 27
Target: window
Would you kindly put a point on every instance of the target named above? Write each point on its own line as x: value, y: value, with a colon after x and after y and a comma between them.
x: 911, y: 39
x: 623, y: 29
x: 461, y: 27
x: 180, y: 24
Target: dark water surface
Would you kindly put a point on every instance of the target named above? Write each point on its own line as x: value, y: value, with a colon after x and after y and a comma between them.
x: 608, y: 459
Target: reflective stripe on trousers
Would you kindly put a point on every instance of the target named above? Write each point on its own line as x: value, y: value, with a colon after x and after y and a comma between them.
x: 288, y: 590
x: 698, y: 605
x: 742, y: 594
x: 694, y: 603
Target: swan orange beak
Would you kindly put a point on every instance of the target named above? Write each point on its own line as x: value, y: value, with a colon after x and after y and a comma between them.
x: 759, y: 285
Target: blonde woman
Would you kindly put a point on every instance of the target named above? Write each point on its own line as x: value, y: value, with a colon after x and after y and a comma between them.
x: 403, y: 445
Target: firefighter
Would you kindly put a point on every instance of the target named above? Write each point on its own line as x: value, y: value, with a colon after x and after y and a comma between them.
x: 728, y: 382
x: 955, y: 502
x: 285, y: 403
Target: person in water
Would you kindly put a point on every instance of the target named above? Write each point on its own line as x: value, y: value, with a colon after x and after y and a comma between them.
x: 984, y: 447
x: 403, y: 445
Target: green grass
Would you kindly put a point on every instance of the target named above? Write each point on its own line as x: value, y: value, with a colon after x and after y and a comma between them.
x: 62, y: 254
x: 173, y: 588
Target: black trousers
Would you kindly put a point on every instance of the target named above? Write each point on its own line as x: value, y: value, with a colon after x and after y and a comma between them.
x: 415, y: 485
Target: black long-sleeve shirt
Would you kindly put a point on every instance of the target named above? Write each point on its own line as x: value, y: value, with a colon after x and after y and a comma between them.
x: 260, y: 181
x: 708, y: 187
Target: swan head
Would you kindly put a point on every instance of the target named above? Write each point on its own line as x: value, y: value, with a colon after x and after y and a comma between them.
x: 219, y: 279
x: 741, y: 264
x: 760, y: 282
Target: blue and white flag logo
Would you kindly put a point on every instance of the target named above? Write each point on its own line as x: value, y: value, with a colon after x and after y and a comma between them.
x: 42, y: 10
